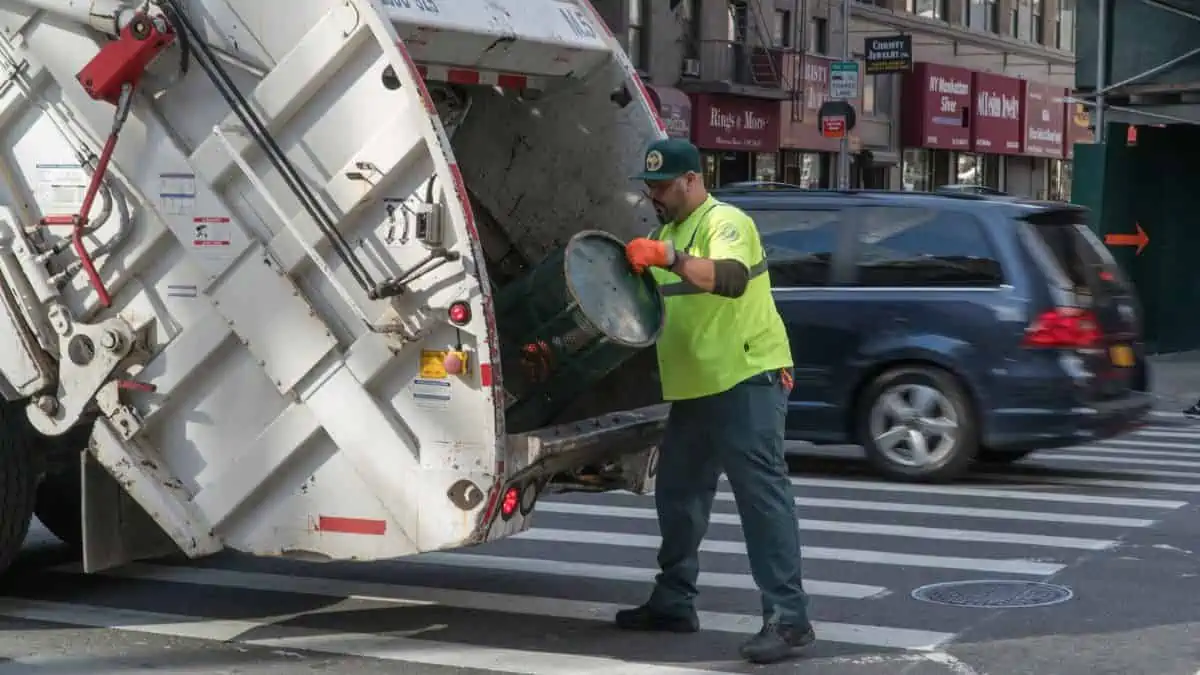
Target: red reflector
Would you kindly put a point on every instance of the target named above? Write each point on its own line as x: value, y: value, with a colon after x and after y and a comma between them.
x: 459, y: 76
x: 512, y: 499
x: 460, y: 313
x: 485, y: 374
x: 1064, y: 328
x: 351, y: 525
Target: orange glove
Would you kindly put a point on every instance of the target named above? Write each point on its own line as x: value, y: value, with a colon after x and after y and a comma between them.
x: 642, y: 253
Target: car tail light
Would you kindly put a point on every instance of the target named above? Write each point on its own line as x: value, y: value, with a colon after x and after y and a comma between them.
x: 460, y: 313
x: 1064, y: 328
x: 510, y: 502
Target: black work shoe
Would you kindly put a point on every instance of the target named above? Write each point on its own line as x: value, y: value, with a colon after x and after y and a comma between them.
x: 777, y: 642
x: 1193, y: 412
x: 647, y: 619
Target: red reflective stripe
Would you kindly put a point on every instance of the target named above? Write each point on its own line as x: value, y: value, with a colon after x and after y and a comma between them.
x: 512, y: 81
x: 485, y: 374
x: 460, y: 76
x: 351, y: 525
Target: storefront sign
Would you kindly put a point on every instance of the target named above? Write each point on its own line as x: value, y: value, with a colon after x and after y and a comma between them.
x: 997, y: 126
x: 674, y: 108
x: 723, y: 122
x: 891, y: 54
x: 937, y: 107
x: 1045, y: 120
x: 1079, y: 127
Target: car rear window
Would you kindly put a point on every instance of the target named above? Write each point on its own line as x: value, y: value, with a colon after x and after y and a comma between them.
x: 1074, y: 257
x: 921, y: 247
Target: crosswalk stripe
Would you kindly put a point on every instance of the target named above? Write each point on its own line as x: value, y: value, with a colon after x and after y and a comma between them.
x: 645, y: 541
x: 849, y: 527
x: 1111, y: 459
x: 1014, y: 492
x: 1104, y: 482
x: 962, y: 511
x: 560, y: 608
x: 1140, y: 445
x: 1137, y: 451
x: 559, y: 568
x: 1166, y: 433
x: 389, y: 647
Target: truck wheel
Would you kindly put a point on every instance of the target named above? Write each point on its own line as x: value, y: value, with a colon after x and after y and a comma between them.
x: 59, y: 506
x: 918, y: 424
x: 18, y: 481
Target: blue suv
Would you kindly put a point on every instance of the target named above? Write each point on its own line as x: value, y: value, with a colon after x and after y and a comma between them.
x: 940, y: 330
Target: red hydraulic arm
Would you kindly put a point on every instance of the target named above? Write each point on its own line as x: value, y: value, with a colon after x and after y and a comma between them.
x: 111, y: 76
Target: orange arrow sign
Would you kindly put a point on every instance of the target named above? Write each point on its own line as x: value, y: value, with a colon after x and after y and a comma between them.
x: 1138, y: 239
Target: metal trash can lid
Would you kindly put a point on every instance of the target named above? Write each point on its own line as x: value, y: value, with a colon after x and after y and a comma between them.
x: 626, y: 307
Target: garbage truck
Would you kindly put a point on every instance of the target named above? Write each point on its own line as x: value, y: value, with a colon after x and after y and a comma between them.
x: 325, y: 279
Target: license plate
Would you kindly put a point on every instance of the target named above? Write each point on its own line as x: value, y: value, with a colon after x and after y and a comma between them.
x: 1121, y: 355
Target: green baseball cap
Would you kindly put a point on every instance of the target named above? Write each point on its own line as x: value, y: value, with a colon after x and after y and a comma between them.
x: 670, y: 158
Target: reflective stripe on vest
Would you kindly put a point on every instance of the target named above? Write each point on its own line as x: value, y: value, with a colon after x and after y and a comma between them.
x: 683, y: 287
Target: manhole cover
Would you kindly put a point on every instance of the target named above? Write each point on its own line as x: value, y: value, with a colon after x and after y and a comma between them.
x: 1005, y: 594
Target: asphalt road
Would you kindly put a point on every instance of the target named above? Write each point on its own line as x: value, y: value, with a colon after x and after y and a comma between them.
x: 1115, y: 523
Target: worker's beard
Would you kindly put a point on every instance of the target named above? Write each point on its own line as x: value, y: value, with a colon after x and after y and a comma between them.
x: 661, y: 212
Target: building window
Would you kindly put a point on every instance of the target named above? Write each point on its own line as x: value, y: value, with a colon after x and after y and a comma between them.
x: 930, y: 9
x: 818, y: 36
x: 689, y: 16
x: 636, y: 36
x: 1022, y: 20
x: 1036, y: 32
x: 984, y: 15
x: 781, y: 29
x: 1065, y: 25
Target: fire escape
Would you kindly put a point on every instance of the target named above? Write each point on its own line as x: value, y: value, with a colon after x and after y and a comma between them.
x: 747, y: 62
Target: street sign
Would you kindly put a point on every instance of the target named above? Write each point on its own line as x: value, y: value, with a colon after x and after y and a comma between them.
x: 833, y: 126
x: 892, y: 54
x: 843, y: 80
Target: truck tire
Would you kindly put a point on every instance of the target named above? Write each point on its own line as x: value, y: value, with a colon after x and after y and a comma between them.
x: 18, y: 482
x: 59, y: 506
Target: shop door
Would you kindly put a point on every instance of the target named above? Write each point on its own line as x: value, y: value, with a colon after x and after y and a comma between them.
x: 735, y: 168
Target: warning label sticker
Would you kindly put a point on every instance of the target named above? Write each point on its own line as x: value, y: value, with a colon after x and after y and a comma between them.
x: 431, y: 394
x: 210, y: 232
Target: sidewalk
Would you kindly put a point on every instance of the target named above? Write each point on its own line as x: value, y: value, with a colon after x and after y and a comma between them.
x: 1175, y: 379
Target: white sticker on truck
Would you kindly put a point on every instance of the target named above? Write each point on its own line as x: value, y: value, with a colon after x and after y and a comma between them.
x: 177, y: 193
x: 431, y: 394
x: 60, y: 188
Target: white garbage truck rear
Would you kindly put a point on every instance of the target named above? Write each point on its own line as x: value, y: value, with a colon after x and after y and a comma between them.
x: 250, y: 255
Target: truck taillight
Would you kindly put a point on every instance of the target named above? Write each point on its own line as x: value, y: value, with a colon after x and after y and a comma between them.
x: 510, y: 502
x: 1063, y: 328
x: 460, y: 313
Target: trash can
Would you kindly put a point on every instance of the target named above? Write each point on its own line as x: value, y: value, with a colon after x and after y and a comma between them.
x: 574, y: 318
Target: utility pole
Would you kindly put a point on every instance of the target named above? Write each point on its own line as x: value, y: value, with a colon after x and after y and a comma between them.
x: 843, y: 170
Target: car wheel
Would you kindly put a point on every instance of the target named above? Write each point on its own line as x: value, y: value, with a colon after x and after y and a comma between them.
x: 917, y: 424
x: 989, y: 456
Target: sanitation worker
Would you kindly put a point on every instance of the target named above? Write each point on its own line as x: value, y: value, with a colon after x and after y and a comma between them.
x: 726, y: 368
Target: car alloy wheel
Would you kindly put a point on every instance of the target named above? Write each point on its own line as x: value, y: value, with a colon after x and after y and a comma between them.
x: 914, y: 425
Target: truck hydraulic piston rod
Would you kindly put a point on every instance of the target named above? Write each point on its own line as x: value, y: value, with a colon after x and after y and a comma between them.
x: 107, y: 16
x: 112, y: 76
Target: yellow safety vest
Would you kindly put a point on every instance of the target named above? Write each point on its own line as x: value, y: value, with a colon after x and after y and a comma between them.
x: 711, y: 343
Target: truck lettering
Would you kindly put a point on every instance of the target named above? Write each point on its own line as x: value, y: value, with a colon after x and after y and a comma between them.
x: 580, y: 26
x: 422, y: 5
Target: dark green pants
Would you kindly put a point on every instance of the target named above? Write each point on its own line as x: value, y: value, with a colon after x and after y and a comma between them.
x: 740, y: 432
